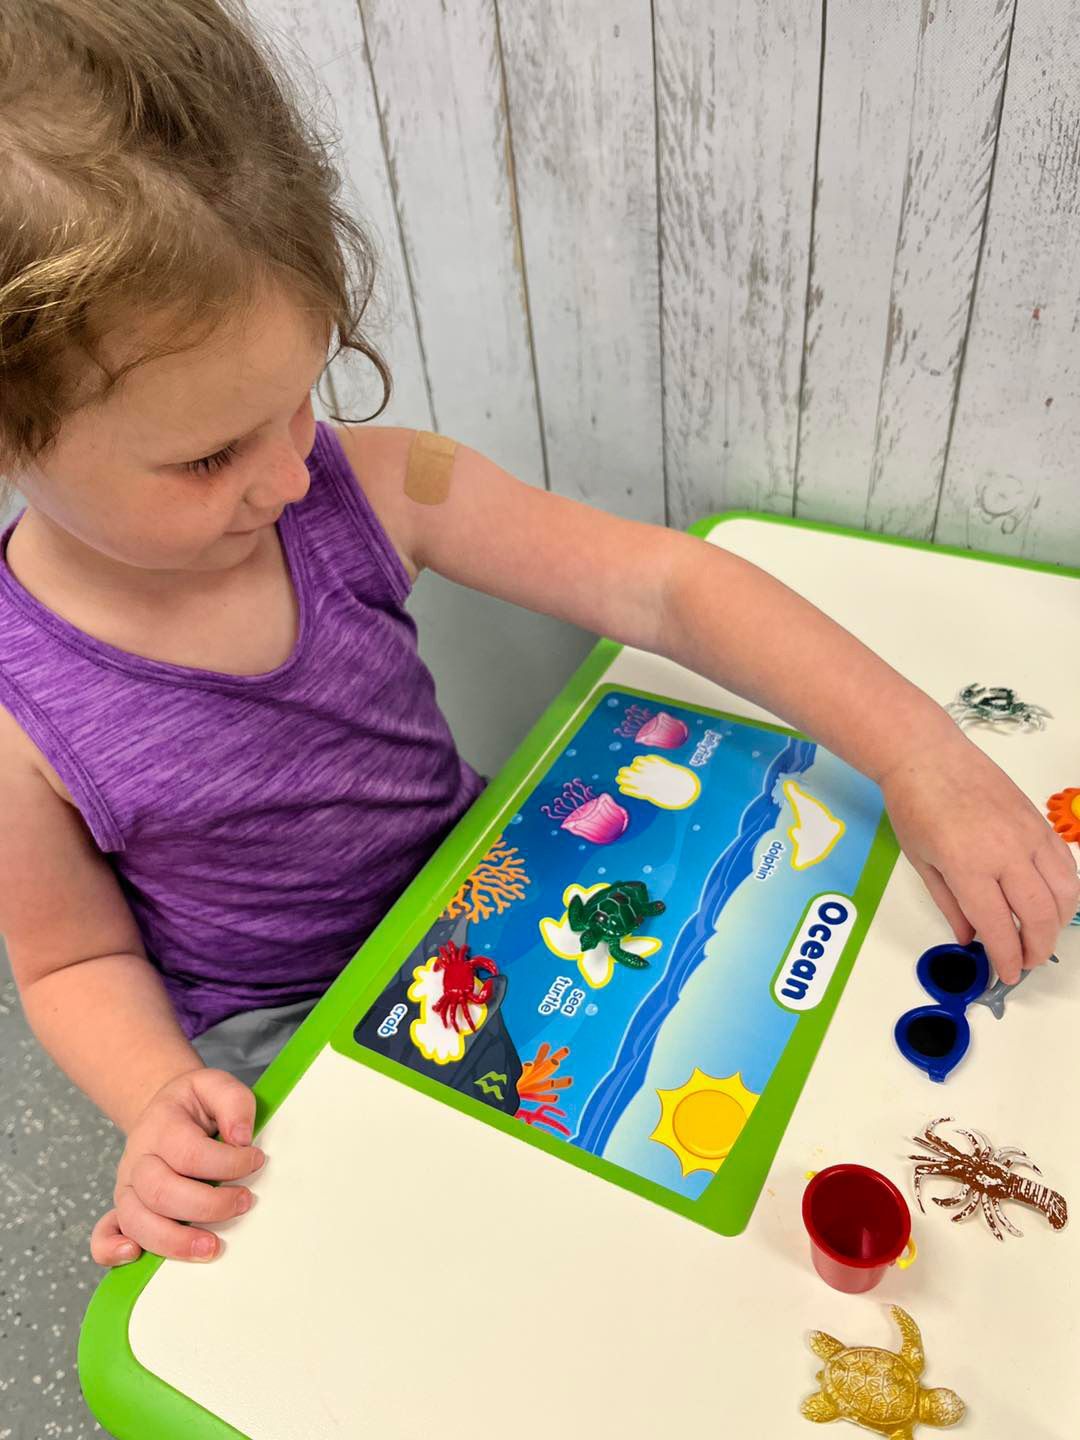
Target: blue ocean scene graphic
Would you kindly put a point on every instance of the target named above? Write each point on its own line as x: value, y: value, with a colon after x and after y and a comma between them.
x: 735, y: 827
x: 733, y: 866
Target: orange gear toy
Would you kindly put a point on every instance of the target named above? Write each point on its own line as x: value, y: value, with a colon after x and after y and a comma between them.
x: 1063, y: 812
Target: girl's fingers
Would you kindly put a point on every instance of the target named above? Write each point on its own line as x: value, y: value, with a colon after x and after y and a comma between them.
x: 190, y: 1151
x: 178, y: 1198
x: 160, y: 1235
x: 983, y: 903
x: 109, y: 1245
x: 946, y: 902
x: 1033, y: 904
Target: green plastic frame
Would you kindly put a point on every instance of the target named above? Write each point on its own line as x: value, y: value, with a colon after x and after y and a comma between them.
x: 132, y: 1402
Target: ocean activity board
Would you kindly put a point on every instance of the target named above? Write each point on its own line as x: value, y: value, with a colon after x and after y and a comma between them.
x: 639, y: 971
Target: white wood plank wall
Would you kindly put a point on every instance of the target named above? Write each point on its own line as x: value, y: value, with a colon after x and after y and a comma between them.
x: 1011, y: 482
x: 816, y: 257
x: 737, y: 88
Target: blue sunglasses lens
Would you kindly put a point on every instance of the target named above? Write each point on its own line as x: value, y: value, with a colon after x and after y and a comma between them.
x: 953, y: 972
x: 931, y: 1036
x: 934, y: 1039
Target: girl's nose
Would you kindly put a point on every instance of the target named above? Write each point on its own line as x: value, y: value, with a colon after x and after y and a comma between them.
x: 282, y: 480
x: 293, y: 478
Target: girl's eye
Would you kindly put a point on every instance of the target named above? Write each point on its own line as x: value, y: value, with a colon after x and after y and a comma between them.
x: 209, y: 463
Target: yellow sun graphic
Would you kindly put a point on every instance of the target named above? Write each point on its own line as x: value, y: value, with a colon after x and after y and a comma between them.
x: 701, y: 1120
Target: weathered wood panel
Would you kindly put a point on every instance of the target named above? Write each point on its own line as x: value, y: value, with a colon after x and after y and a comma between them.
x: 862, y: 161
x: 907, y: 138
x: 737, y: 89
x: 959, y: 79
x: 1012, y: 481
x: 617, y: 124
x: 580, y: 88
x: 326, y: 43
x: 438, y: 74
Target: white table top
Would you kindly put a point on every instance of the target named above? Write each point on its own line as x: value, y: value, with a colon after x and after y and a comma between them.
x: 409, y: 1272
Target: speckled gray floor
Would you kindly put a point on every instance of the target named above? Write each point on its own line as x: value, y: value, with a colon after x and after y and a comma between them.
x: 58, y: 1158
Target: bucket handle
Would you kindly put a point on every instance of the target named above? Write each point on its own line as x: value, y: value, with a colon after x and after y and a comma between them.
x: 910, y: 1256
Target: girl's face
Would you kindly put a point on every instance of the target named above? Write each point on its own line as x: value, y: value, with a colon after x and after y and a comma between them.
x: 193, y: 454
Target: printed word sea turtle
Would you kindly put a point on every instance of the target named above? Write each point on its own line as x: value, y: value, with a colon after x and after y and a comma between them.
x: 612, y: 914
x: 878, y: 1389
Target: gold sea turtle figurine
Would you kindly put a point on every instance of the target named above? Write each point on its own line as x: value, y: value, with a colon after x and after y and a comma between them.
x: 879, y: 1389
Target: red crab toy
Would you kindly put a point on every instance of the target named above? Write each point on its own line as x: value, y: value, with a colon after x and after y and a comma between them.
x: 459, y: 984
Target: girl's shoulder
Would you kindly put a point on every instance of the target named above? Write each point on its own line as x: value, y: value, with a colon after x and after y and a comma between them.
x: 60, y: 901
x: 22, y: 763
x: 377, y: 456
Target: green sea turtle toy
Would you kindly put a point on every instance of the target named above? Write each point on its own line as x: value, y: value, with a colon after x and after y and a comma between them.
x: 879, y: 1389
x: 612, y: 915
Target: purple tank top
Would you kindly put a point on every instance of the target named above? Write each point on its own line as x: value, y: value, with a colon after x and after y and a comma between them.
x: 260, y: 825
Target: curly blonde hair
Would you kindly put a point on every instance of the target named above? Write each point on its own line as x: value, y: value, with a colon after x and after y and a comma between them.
x: 154, y: 162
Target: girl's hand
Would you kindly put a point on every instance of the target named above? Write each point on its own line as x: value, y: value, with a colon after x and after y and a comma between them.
x: 168, y: 1156
x: 984, y: 852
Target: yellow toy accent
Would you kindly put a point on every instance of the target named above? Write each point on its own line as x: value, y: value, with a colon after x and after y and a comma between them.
x: 701, y: 1120
x: 652, y: 778
x: 879, y: 1390
x: 816, y: 829
x: 435, y: 1040
x: 596, y: 965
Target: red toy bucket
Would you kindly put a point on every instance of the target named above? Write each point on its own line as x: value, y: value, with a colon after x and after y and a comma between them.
x: 859, y: 1224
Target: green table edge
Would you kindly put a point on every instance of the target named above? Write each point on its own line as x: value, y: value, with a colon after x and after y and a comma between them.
x: 120, y: 1392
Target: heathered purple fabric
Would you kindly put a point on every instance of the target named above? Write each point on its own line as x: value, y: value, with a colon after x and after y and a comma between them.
x: 260, y: 826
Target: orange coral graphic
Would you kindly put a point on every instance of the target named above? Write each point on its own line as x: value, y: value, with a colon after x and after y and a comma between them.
x: 537, y: 1082
x: 1063, y: 810
x: 493, y: 886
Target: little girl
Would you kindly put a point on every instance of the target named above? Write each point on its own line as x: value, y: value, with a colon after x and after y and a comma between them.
x: 221, y: 759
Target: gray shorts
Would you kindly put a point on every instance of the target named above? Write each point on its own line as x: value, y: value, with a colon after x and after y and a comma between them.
x: 244, y: 1044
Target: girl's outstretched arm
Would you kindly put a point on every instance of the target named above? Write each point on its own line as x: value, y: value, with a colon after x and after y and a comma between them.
x: 983, y: 850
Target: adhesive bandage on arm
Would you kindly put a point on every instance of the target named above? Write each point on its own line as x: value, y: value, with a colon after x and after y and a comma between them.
x: 428, y: 472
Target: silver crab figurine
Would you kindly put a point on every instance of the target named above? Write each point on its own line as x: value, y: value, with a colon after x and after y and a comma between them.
x: 998, y: 707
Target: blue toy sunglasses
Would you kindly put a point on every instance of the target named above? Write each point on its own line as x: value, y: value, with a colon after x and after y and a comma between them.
x: 936, y: 1037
